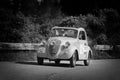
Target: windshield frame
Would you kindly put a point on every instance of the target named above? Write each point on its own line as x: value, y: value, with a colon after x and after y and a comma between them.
x: 64, y: 32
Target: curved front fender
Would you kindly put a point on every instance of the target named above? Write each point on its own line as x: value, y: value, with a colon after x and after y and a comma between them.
x: 72, y: 50
x: 67, y: 53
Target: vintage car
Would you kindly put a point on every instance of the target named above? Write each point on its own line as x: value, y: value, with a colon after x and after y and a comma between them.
x: 65, y: 43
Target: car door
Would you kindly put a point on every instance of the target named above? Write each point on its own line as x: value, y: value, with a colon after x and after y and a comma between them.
x: 82, y: 45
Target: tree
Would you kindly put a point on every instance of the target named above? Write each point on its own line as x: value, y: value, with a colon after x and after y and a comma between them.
x: 9, y: 26
x: 112, y: 23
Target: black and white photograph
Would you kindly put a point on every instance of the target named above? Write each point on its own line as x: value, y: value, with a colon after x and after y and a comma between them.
x: 59, y: 40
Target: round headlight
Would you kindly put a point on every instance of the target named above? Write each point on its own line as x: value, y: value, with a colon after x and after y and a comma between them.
x: 52, y: 43
x: 67, y: 44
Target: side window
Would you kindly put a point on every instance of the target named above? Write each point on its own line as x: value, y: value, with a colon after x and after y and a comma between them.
x: 82, y: 35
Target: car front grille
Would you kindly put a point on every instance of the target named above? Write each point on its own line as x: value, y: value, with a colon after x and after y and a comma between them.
x: 53, y: 49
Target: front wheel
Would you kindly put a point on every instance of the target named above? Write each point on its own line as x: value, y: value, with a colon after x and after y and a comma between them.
x: 87, y: 62
x: 73, y: 60
x: 40, y: 60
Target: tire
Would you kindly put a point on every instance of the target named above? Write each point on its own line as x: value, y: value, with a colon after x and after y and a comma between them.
x: 40, y: 60
x: 87, y: 62
x: 73, y: 60
x: 57, y: 62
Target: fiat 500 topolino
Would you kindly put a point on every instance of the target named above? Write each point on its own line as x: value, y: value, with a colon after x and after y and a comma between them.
x: 65, y: 43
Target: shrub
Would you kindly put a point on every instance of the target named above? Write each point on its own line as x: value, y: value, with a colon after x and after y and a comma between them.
x: 30, y: 31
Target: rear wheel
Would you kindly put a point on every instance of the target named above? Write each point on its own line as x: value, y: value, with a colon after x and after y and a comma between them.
x: 73, y: 60
x: 87, y: 62
x: 40, y: 60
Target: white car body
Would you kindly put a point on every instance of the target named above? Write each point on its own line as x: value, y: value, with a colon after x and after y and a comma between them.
x: 63, y: 48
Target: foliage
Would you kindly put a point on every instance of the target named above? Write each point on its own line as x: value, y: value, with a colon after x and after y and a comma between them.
x: 112, y: 22
x: 95, y: 24
x: 73, y: 21
x: 35, y: 28
x: 9, y: 26
x: 30, y: 32
x: 32, y: 28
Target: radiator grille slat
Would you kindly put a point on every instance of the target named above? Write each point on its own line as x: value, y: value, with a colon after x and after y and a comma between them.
x: 53, y: 49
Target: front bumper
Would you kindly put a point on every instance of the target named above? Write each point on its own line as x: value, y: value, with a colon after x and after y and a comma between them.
x: 64, y: 54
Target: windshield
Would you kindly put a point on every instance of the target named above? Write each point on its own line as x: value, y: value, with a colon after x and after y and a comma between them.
x: 62, y: 32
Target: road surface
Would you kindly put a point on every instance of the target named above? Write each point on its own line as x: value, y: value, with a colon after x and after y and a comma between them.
x: 98, y: 70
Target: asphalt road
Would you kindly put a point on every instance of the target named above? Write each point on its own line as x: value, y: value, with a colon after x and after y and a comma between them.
x: 97, y: 70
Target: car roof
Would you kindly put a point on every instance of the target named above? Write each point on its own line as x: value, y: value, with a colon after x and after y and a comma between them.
x: 70, y: 28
